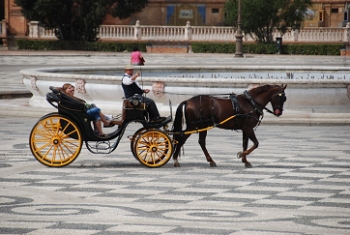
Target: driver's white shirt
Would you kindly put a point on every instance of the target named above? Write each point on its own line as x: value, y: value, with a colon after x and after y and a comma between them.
x: 128, y: 81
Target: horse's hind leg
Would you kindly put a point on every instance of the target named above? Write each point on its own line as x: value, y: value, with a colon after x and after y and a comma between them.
x: 176, y: 153
x: 201, y: 142
x: 246, y: 136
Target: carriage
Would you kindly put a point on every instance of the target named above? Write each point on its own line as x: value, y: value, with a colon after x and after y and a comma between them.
x: 57, y: 138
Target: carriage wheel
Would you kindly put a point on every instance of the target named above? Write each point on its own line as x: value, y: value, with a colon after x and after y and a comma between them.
x: 55, y: 141
x: 153, y: 148
x: 133, y: 141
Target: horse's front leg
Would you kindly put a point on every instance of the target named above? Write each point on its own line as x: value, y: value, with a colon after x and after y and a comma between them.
x: 246, y: 136
x: 201, y: 142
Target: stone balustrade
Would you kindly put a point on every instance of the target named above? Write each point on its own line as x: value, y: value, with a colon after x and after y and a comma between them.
x: 190, y: 33
x: 3, y: 34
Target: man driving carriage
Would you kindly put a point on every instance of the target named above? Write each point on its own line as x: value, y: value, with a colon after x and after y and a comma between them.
x: 131, y: 88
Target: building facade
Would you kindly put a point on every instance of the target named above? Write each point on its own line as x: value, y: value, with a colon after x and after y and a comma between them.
x: 328, y: 13
x: 322, y: 13
x: 177, y: 13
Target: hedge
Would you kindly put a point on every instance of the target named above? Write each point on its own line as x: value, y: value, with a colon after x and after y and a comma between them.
x: 228, y: 48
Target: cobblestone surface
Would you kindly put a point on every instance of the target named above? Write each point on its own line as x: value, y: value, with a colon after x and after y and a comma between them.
x: 299, y: 184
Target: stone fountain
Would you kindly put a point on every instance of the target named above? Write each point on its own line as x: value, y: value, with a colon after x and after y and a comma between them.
x: 312, y: 87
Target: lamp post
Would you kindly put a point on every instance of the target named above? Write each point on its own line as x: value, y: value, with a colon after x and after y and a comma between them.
x: 239, y: 36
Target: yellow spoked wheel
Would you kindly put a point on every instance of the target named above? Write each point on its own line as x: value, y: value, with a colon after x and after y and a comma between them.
x: 133, y: 140
x: 55, y: 141
x: 153, y: 148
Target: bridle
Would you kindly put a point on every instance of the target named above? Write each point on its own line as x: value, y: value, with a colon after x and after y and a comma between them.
x: 280, y: 94
x: 282, y: 98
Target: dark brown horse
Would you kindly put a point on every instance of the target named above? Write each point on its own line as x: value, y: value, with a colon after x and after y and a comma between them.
x: 241, y: 112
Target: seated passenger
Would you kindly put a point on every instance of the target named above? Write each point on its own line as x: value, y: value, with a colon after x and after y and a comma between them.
x: 94, y: 113
x: 131, y: 88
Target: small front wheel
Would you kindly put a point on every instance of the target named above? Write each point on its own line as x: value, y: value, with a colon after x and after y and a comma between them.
x: 55, y: 141
x: 153, y: 148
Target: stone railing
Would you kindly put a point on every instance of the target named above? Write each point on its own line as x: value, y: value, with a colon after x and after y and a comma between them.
x: 3, y: 34
x: 37, y: 31
x: 188, y: 33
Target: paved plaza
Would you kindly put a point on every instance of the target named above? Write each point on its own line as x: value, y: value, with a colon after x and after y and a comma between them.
x: 299, y: 183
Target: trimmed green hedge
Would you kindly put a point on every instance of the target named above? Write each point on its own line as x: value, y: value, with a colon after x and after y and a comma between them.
x: 229, y: 48
x: 78, y: 46
x: 291, y: 49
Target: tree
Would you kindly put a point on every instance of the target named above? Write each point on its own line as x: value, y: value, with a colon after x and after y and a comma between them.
x: 77, y: 20
x: 260, y: 17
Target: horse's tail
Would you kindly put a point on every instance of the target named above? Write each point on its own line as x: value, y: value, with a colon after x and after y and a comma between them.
x: 177, y: 125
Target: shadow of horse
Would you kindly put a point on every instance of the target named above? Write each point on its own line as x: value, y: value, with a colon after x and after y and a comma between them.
x: 242, y: 112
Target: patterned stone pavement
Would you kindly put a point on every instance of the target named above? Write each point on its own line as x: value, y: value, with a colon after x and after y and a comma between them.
x: 299, y: 184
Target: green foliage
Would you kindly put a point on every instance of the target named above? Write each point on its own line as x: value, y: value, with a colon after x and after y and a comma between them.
x: 213, y: 48
x: 263, y: 48
x: 78, y: 46
x: 312, y: 49
x: 124, y: 8
x: 227, y: 48
x: 260, y: 19
x: 77, y: 20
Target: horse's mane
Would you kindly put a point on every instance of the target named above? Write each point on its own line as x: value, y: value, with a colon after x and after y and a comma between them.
x: 260, y: 89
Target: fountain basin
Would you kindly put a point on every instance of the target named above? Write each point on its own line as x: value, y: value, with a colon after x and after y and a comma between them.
x: 312, y: 87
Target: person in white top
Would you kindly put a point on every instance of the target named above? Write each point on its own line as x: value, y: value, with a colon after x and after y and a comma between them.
x: 132, y: 88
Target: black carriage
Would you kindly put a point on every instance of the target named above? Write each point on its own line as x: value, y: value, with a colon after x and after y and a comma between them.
x: 57, y: 138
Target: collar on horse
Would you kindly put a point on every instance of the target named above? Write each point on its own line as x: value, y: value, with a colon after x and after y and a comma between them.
x: 253, y: 103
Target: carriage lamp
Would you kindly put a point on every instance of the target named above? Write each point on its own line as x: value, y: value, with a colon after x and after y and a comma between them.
x: 135, y: 101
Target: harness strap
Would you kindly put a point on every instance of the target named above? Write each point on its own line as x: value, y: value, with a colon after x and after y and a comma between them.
x: 235, y: 104
x: 252, y: 102
x: 200, y: 110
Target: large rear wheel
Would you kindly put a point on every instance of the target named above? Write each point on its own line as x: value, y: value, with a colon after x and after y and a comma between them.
x: 153, y: 148
x: 55, y: 141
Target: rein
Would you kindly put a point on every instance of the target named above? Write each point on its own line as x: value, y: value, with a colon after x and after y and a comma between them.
x: 253, y: 103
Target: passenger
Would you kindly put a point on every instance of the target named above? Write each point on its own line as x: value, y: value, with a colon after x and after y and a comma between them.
x: 136, y: 57
x: 94, y: 113
x: 131, y: 88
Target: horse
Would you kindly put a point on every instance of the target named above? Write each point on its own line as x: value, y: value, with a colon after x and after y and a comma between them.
x: 238, y: 112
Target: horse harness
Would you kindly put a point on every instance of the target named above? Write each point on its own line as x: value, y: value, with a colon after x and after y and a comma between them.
x: 253, y: 103
x: 280, y: 94
x: 236, y: 108
x: 235, y: 105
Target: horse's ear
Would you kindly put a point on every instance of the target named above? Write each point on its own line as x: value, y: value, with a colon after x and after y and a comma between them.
x: 284, y: 86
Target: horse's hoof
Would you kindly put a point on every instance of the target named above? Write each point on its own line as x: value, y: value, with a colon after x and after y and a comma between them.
x: 176, y: 164
x: 239, y: 155
x: 248, y: 165
x: 213, y: 164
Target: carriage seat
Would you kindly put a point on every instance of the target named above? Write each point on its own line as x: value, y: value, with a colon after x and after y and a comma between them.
x: 133, y: 108
x: 66, y: 104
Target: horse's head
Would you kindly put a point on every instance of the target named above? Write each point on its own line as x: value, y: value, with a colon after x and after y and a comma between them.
x: 277, y: 100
